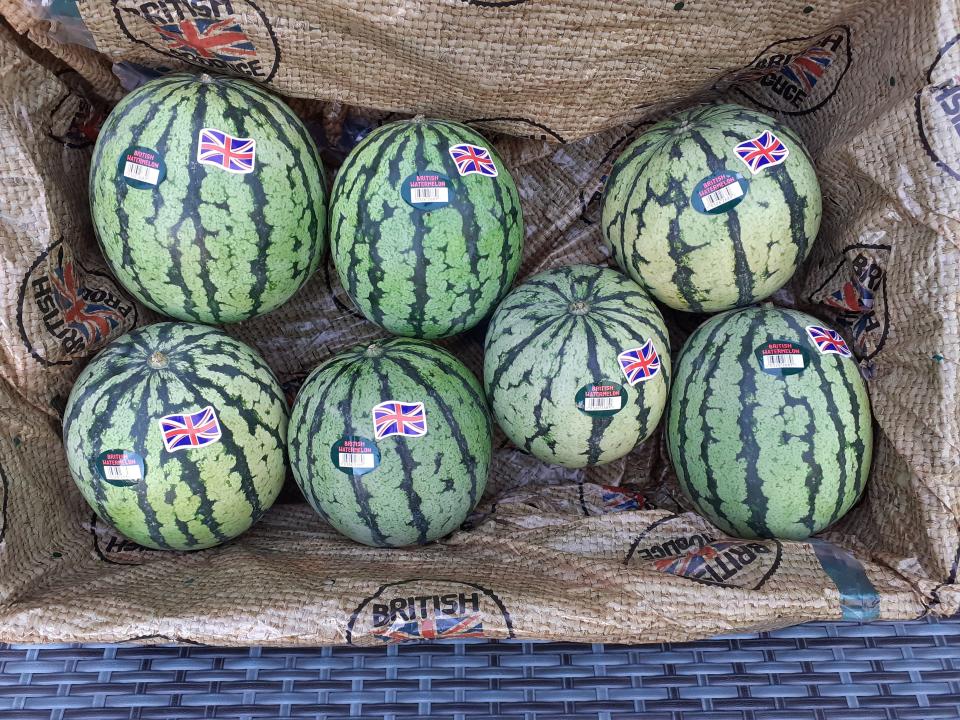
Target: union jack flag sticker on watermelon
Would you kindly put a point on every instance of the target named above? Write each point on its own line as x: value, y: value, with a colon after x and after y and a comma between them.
x: 828, y: 341
x: 222, y: 39
x: 438, y: 627
x: 217, y: 148
x: 190, y: 430
x: 399, y: 418
x: 639, y: 364
x: 763, y: 151
x: 473, y: 159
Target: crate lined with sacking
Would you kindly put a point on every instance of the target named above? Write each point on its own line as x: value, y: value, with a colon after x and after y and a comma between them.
x: 294, y: 356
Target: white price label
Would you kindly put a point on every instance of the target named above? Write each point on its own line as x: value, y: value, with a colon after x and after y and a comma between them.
x: 122, y: 472
x: 143, y: 173
x: 722, y: 195
x: 599, y: 404
x: 364, y: 461
x: 429, y: 195
x: 781, y: 362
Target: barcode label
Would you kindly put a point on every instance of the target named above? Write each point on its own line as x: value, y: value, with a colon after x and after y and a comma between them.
x: 143, y: 173
x: 122, y: 472
x: 429, y: 195
x: 722, y: 195
x: 779, y: 362
x: 596, y: 404
x: 357, y: 460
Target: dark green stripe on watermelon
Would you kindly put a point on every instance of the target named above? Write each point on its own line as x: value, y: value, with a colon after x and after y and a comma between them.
x: 206, y: 244
x: 423, y: 487
x: 423, y: 272
x: 191, y: 498
x: 762, y: 455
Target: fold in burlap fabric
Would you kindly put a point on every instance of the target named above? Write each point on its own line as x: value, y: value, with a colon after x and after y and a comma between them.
x: 609, y: 554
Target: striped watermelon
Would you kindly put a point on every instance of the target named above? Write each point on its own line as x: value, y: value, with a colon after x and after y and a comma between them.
x: 769, y: 425
x: 425, y: 227
x: 713, y: 208
x: 198, y: 225
x: 391, y: 442
x: 577, y: 365
x: 149, y: 456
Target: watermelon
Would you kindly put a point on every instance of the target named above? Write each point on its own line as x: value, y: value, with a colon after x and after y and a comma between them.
x: 577, y: 365
x: 703, y: 225
x: 391, y: 442
x: 426, y: 230
x: 175, y: 434
x: 768, y: 426
x: 208, y: 198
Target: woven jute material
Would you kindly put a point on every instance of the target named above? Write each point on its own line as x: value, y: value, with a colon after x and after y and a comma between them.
x: 561, y: 86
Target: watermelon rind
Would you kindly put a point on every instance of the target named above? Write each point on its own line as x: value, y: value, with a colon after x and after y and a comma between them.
x: 191, y: 239
x: 554, y: 335
x: 762, y: 454
x: 745, y: 243
x: 421, y: 487
x: 191, y: 497
x: 426, y: 270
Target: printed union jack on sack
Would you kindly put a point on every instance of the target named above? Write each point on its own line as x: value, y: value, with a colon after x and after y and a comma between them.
x: 217, y: 148
x: 94, y: 321
x: 639, y: 364
x: 763, y: 151
x: 399, y: 418
x: 692, y: 562
x: 828, y: 341
x: 808, y: 67
x: 439, y: 627
x: 620, y: 499
x: 205, y: 38
x: 190, y: 430
x: 473, y: 159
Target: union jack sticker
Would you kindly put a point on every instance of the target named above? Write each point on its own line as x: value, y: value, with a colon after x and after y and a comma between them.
x: 399, y: 418
x: 185, y: 431
x: 473, y: 159
x: 828, y: 341
x: 639, y: 364
x: 222, y: 150
x: 764, y: 151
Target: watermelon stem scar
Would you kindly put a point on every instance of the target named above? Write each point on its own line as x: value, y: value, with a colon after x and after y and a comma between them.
x: 157, y: 361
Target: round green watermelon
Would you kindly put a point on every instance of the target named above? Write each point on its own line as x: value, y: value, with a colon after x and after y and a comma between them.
x: 713, y: 208
x: 391, y: 442
x: 208, y: 198
x: 577, y: 365
x: 426, y: 230
x: 175, y: 434
x: 769, y: 426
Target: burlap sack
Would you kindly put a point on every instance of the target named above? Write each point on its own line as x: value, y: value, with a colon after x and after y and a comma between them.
x: 605, y: 555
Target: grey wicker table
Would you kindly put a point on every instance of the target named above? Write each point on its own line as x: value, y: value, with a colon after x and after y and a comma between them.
x: 831, y: 671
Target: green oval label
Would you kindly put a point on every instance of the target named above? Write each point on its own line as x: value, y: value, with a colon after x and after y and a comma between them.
x: 142, y: 167
x: 355, y: 455
x: 782, y: 357
x: 121, y: 468
x: 427, y: 190
x: 719, y: 193
x: 601, y: 399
